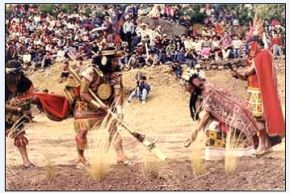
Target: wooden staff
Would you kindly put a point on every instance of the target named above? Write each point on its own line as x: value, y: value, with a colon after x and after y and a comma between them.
x: 150, y: 146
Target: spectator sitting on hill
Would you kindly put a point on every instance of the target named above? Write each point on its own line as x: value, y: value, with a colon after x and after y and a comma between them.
x: 141, y: 91
x: 205, y: 48
x: 237, y: 45
x: 276, y: 46
x: 176, y: 69
x: 226, y: 43
x: 190, y: 56
x: 140, y: 60
x: 152, y: 59
x: 46, y: 62
x: 65, y: 72
x: 179, y: 49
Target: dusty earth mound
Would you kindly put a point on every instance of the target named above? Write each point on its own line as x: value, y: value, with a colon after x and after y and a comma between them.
x: 165, y: 116
x: 170, y: 28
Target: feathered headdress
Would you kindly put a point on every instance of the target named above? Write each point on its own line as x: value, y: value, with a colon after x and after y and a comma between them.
x: 256, y: 32
x: 257, y: 28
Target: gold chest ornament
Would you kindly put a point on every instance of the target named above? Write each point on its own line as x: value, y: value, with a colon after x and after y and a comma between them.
x: 104, y: 91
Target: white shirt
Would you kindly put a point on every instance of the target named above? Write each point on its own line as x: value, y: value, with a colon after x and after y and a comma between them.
x: 189, y: 44
x: 128, y: 27
x: 237, y: 44
x: 26, y: 58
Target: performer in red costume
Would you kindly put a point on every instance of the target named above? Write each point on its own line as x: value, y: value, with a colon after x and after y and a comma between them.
x: 262, y: 92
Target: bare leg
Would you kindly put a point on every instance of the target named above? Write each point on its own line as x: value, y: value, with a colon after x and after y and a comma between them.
x: 264, y: 144
x: 81, y: 141
x: 118, y: 146
x: 24, y: 156
x: 20, y: 142
x: 116, y: 140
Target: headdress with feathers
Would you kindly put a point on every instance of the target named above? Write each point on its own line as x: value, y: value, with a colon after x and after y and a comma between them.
x: 256, y: 32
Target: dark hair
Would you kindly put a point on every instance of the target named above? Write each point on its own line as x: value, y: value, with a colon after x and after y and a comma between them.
x: 24, y: 84
x: 107, y: 68
x: 193, y: 98
x: 143, y: 78
x: 13, y: 64
x: 192, y: 103
x: 194, y: 76
x: 11, y: 77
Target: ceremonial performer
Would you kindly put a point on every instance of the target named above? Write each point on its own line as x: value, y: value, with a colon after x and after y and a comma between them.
x: 218, y: 113
x: 104, y: 78
x: 17, y: 106
x: 262, y: 92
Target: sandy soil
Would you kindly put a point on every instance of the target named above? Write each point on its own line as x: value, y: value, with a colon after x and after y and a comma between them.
x: 165, y: 116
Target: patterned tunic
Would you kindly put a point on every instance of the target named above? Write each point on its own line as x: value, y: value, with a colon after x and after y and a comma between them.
x: 254, y: 97
x: 86, y: 116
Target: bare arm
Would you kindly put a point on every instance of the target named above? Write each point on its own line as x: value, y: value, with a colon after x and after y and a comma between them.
x: 118, y: 93
x: 243, y: 74
x: 84, y: 90
x: 10, y: 108
x: 205, y: 117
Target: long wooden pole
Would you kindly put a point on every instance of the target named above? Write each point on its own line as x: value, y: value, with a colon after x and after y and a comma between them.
x: 150, y: 146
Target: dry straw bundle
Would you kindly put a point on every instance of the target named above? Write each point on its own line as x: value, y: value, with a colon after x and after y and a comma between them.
x: 102, y: 156
x: 197, y: 158
x: 234, y: 142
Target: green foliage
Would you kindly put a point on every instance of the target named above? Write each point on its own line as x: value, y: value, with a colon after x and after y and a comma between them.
x: 46, y: 8
x: 270, y: 11
x: 245, y: 17
x: 195, y: 8
x: 8, y: 11
x: 55, y: 9
x: 194, y: 12
x: 88, y: 12
x: 68, y: 8
x: 100, y: 14
x: 197, y: 17
x: 265, y: 11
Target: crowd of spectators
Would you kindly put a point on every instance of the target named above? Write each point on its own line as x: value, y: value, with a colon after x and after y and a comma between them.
x: 39, y: 39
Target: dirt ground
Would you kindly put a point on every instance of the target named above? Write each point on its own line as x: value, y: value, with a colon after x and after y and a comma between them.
x: 165, y: 116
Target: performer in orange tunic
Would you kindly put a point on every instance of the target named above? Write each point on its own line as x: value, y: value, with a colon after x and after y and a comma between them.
x: 263, y: 98
x: 105, y: 79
